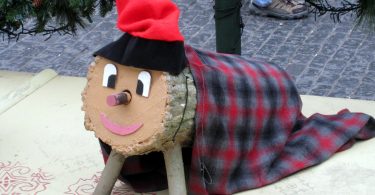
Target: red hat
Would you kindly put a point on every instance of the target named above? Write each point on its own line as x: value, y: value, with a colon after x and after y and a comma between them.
x: 149, y: 19
x: 152, y: 39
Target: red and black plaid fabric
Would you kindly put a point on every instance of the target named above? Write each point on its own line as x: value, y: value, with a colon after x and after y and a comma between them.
x: 250, y: 131
x: 249, y: 127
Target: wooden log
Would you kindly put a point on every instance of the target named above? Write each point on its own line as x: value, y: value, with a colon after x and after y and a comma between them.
x: 166, y: 117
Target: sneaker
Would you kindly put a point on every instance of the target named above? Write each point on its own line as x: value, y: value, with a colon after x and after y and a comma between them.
x: 283, y: 9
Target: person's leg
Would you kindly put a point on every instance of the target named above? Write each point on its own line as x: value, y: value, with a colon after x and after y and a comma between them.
x: 283, y: 9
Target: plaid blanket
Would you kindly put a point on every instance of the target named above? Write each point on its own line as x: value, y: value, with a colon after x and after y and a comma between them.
x: 250, y: 131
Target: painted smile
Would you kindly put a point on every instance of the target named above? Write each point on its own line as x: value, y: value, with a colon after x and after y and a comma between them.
x: 118, y: 129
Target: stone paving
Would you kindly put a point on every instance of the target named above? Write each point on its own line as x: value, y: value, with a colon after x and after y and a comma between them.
x: 324, y: 58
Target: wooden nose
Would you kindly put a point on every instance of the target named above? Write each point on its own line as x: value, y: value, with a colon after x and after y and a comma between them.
x: 118, y: 99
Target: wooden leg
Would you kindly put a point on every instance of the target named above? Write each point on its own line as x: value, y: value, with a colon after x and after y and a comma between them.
x: 175, y: 171
x: 110, y: 174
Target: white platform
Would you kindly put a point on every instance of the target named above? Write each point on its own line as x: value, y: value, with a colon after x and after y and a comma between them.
x: 44, y: 147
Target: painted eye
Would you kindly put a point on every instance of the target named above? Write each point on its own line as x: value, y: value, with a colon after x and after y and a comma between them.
x: 109, y: 76
x: 144, y: 84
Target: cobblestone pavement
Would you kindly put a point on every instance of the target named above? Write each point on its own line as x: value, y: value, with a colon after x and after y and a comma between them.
x: 324, y: 58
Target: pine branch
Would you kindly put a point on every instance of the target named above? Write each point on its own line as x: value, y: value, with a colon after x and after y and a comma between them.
x: 364, y: 10
x: 322, y: 7
x: 105, y: 7
x: 49, y: 16
x: 48, y: 31
x: 66, y: 16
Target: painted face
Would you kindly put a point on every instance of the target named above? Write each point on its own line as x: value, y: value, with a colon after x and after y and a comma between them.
x: 125, y: 106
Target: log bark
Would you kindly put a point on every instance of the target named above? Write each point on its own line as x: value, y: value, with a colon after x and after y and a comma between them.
x: 180, y: 112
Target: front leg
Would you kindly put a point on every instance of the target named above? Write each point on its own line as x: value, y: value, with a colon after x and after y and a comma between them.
x: 110, y: 174
x: 175, y: 170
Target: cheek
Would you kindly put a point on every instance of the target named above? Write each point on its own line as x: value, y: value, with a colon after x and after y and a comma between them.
x: 141, y: 107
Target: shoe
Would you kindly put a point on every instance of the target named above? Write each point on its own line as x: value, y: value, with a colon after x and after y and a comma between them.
x: 283, y: 9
